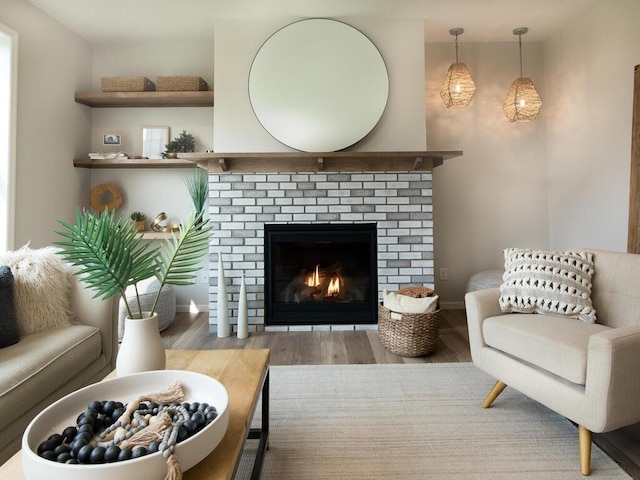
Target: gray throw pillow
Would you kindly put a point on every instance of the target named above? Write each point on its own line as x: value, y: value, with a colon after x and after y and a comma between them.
x: 8, y: 324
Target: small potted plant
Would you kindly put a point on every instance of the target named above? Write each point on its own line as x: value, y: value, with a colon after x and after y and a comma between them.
x: 185, y: 142
x: 138, y: 220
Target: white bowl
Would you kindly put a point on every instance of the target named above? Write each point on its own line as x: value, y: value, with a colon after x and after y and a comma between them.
x: 63, y: 413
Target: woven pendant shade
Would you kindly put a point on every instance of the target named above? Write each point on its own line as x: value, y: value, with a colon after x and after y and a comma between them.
x: 458, y: 87
x: 523, y: 102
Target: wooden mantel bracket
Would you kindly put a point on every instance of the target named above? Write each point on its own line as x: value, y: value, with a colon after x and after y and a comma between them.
x: 342, y: 161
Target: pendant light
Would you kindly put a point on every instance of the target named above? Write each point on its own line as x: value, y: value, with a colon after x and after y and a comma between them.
x: 458, y: 87
x: 523, y: 102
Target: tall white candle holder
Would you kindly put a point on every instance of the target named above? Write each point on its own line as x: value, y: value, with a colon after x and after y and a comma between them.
x: 243, y: 317
x: 223, y: 329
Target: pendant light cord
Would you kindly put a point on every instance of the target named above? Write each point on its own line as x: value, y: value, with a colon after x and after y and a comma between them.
x: 520, y: 44
x: 457, y: 50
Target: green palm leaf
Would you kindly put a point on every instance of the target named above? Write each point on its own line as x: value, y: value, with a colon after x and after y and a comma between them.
x: 108, y: 252
x: 180, y: 258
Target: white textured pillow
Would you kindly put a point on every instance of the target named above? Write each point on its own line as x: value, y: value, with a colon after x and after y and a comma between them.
x: 405, y: 304
x: 553, y: 283
x: 41, y: 288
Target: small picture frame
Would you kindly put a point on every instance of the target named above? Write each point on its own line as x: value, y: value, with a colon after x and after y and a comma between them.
x: 112, y: 139
x: 154, y: 140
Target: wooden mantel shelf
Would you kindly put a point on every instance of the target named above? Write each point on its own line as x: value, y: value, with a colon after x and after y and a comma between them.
x: 319, y: 161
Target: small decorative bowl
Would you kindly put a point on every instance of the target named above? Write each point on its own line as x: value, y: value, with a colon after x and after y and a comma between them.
x: 63, y: 413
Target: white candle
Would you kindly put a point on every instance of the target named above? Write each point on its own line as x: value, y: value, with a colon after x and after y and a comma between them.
x: 243, y: 317
x: 223, y: 310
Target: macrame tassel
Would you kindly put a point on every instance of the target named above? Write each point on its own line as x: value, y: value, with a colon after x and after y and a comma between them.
x: 174, y: 470
x: 174, y: 393
x: 149, y: 434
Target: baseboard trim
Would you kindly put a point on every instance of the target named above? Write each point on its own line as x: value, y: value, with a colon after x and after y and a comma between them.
x: 452, y: 305
x: 189, y: 308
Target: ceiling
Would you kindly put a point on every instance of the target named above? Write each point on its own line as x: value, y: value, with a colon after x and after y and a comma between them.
x: 107, y: 21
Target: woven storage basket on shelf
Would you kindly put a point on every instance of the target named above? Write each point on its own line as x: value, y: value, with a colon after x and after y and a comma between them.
x: 181, y: 84
x: 412, y: 335
x: 127, y: 84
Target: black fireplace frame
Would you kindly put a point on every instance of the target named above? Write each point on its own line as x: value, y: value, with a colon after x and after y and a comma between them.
x: 320, y: 313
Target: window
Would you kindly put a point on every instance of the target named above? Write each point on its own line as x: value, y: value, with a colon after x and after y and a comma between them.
x: 8, y: 75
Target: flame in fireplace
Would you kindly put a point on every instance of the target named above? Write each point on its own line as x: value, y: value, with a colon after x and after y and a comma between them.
x: 334, y: 286
x: 313, y: 280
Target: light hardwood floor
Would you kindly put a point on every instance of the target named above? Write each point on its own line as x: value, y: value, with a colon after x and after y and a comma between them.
x: 191, y: 331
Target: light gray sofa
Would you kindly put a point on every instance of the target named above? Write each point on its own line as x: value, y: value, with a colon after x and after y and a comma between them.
x: 45, y: 366
x: 589, y: 373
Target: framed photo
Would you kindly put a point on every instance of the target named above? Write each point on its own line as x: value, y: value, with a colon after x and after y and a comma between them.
x: 154, y: 139
x: 112, y: 139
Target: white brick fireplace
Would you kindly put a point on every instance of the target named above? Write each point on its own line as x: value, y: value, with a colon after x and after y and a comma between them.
x: 241, y: 203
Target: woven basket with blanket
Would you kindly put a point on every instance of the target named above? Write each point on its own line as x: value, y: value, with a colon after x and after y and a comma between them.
x: 409, y: 321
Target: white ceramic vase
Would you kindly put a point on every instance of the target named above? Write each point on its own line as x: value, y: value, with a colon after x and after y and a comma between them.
x: 223, y: 328
x: 243, y: 317
x: 141, y: 349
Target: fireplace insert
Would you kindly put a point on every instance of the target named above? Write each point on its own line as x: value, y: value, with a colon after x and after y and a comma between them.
x: 320, y: 274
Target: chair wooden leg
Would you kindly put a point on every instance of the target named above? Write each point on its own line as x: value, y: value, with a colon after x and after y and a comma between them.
x: 493, y: 394
x: 585, y: 450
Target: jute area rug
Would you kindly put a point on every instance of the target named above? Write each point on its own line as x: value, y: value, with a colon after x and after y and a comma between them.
x: 412, y: 421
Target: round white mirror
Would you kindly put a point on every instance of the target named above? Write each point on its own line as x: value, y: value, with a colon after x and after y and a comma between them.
x: 318, y: 85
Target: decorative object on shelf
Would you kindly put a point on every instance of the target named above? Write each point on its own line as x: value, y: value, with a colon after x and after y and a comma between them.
x: 112, y: 139
x: 183, y: 143
x: 197, y: 184
x: 127, y: 84
x: 108, y: 156
x: 181, y: 84
x: 458, y: 87
x: 138, y: 220
x: 243, y: 314
x: 223, y: 327
x: 141, y: 349
x: 153, y: 141
x: 105, y: 196
x: 523, y: 103
x: 161, y: 217
x: 318, y: 85
x: 111, y: 256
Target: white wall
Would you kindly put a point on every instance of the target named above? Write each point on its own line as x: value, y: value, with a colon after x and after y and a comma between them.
x: 495, y: 195
x: 589, y: 73
x: 53, y: 63
x: 152, y: 191
x: 400, y: 42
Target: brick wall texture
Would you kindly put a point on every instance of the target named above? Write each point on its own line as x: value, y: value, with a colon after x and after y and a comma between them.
x: 400, y: 203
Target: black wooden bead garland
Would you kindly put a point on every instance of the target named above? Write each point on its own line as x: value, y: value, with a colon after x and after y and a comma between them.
x: 108, y: 431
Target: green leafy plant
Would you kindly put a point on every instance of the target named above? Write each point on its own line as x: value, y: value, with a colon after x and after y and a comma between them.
x: 137, y: 216
x: 111, y: 256
x: 198, y: 186
x: 181, y: 144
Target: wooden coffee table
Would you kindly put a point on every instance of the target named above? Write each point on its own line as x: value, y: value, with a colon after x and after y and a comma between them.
x: 245, y: 375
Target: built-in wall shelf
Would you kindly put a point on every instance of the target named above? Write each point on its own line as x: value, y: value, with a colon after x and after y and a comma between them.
x: 133, y: 163
x: 319, y: 161
x: 146, y: 99
x: 151, y: 235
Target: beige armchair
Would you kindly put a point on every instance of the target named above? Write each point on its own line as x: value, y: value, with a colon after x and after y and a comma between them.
x: 589, y: 373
